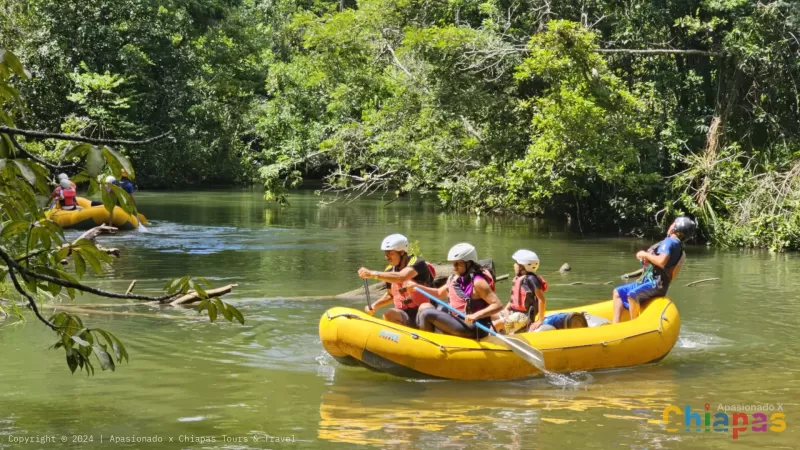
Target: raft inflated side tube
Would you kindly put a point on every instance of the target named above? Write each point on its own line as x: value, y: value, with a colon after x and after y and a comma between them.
x: 92, y: 216
x: 354, y: 337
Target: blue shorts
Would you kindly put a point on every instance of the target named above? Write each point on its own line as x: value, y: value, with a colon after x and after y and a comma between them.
x: 640, y: 292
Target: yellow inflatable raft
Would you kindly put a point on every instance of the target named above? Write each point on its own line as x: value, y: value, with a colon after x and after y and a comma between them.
x: 92, y: 216
x: 355, y: 338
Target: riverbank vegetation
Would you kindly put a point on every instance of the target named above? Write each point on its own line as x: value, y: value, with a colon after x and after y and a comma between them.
x: 613, y: 116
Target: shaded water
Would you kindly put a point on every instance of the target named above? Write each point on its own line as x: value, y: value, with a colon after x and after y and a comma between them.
x: 193, y: 381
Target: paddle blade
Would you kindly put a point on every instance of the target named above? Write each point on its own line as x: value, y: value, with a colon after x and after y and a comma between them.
x: 521, y: 349
x: 142, y: 228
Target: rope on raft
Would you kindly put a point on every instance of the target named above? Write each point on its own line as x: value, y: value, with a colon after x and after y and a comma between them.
x: 416, y: 336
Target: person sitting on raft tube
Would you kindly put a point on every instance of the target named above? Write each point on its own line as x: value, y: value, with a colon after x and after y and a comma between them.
x: 661, y: 264
x: 470, y: 290
x: 403, y: 270
x: 57, y: 192
x: 527, y: 305
x: 67, y: 196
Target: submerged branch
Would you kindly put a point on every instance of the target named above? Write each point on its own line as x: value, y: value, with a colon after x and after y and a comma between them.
x: 701, y: 281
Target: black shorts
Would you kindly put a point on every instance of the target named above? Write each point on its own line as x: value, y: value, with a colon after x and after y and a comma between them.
x: 409, y: 316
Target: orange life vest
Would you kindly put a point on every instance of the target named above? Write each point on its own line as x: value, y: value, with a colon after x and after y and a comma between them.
x: 401, y: 297
x: 518, y: 295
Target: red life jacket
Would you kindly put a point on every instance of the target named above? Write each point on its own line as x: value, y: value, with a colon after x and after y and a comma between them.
x: 405, y: 300
x: 68, y: 198
x: 518, y: 294
x: 459, y: 299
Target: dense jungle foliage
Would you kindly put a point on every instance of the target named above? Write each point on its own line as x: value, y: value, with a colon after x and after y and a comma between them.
x: 613, y: 115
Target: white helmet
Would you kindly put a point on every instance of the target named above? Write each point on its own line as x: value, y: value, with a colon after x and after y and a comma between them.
x: 110, y: 179
x: 463, y: 252
x: 527, y: 259
x: 395, y: 242
x: 62, y: 176
x: 65, y: 183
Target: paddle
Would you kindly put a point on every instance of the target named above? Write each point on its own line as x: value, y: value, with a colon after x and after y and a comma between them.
x: 521, y: 349
x: 366, y: 292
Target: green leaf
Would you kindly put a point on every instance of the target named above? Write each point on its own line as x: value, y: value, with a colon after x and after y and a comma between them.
x: 178, y: 283
x: 26, y: 172
x: 121, y: 347
x: 13, y: 63
x: 203, y: 305
x: 77, y: 151
x: 109, y: 199
x: 124, y: 199
x: 80, y: 341
x: 72, y: 359
x: 80, y: 264
x: 221, y: 306
x: 105, y: 359
x: 212, y: 311
x: 80, y: 177
x: 6, y: 148
x: 200, y: 291
x: 95, y: 161
x: 93, y: 187
x: 236, y: 313
x: 113, y: 343
x: 94, y: 263
x: 14, y: 228
x: 115, y: 158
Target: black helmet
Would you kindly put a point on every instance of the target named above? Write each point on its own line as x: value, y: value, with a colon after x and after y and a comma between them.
x: 684, y: 227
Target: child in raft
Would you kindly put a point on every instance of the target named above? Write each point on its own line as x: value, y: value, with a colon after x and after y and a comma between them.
x: 527, y: 305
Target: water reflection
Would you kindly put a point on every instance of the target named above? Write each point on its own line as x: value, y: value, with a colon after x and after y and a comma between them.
x: 454, y: 414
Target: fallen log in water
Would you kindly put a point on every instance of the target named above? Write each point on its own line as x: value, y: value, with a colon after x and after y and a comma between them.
x: 192, y: 296
x: 701, y: 281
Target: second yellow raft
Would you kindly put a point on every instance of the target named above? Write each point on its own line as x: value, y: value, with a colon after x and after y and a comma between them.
x: 91, y: 216
x: 353, y: 337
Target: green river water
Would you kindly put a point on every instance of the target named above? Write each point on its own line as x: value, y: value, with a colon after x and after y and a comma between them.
x: 198, y: 383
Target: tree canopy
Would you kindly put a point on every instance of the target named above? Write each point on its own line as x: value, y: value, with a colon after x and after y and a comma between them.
x: 613, y: 116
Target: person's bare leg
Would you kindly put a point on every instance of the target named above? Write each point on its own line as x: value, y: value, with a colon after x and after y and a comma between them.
x: 395, y: 316
x: 633, y: 308
x: 618, y: 307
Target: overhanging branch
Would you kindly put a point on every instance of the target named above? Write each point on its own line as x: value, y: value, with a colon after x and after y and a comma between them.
x: 33, y: 157
x: 657, y: 51
x: 76, y: 138
x: 13, y: 265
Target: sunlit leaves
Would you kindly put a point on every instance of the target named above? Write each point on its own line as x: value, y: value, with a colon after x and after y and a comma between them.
x: 215, y: 306
x: 80, y: 344
x: 95, y: 161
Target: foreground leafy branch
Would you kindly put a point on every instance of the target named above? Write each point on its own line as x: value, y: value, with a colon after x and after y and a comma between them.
x: 33, y: 249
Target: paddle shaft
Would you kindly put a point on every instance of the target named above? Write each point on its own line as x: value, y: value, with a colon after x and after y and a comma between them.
x: 521, y: 349
x: 366, y: 293
x: 463, y: 315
